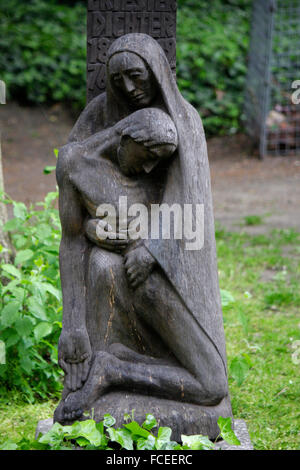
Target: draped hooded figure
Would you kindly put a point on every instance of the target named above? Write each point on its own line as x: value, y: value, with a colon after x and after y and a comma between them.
x: 142, y: 321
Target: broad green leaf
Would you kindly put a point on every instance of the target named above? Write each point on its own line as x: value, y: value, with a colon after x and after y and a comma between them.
x: 150, y: 422
x: 41, y: 330
x: 197, y: 442
x: 85, y: 429
x: 24, y: 326
x: 136, y: 429
x: 19, y: 293
x: 54, y: 436
x: 11, y: 286
x: 10, y: 269
x: 20, y: 242
x: 43, y: 231
x: 52, y: 290
x: 23, y: 256
x: 10, y: 313
x: 122, y: 437
x: 164, y: 433
x: 163, y: 438
x: 20, y: 210
x: 12, y: 340
x: 36, y: 309
x: 227, y: 432
x: 11, y: 225
x: 26, y: 364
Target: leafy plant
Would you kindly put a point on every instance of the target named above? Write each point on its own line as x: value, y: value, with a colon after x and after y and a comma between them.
x: 90, y: 435
x: 30, y: 301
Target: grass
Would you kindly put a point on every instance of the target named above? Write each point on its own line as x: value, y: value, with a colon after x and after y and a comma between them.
x: 262, y: 323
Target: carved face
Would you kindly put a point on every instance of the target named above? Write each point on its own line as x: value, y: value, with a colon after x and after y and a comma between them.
x: 129, y: 74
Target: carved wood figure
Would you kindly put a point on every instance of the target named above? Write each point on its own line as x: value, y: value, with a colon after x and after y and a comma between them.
x: 142, y: 320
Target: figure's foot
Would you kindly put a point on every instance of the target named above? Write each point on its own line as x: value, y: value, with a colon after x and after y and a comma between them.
x: 101, y: 376
x: 74, y: 406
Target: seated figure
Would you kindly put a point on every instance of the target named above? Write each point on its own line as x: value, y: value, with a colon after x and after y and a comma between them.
x: 142, y: 322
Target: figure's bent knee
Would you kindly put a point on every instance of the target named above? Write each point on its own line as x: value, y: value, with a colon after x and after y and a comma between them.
x: 105, y: 267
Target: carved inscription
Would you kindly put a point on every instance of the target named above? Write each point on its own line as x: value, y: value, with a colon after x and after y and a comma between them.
x: 110, y: 19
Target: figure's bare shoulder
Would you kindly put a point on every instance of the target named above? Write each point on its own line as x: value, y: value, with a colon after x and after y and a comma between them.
x: 66, y: 162
x: 91, y: 120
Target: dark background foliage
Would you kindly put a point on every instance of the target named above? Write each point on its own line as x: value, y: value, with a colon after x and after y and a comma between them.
x: 43, y: 55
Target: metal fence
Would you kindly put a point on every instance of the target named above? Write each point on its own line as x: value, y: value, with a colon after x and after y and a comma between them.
x: 272, y: 115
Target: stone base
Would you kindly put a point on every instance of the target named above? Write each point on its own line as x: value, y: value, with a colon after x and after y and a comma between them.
x: 182, y: 418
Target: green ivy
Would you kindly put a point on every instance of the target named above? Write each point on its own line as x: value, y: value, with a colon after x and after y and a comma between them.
x: 90, y: 435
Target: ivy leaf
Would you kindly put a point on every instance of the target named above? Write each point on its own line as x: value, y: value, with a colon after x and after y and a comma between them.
x: 108, y: 421
x: 85, y: 429
x: 150, y: 422
x: 9, y: 313
x: 163, y: 438
x: 227, y: 432
x: 122, y: 437
x: 41, y: 330
x: 197, y: 442
x: 136, y: 429
x: 54, y: 437
x: 146, y: 444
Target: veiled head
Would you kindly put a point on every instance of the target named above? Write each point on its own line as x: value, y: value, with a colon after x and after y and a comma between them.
x: 129, y: 75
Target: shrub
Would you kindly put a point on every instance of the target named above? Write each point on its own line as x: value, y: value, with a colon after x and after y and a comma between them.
x: 43, y: 51
x: 43, y: 55
x: 30, y: 302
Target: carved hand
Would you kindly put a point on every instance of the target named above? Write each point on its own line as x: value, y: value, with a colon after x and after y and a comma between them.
x: 117, y: 244
x: 74, y: 356
x: 133, y: 127
x: 138, y: 264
